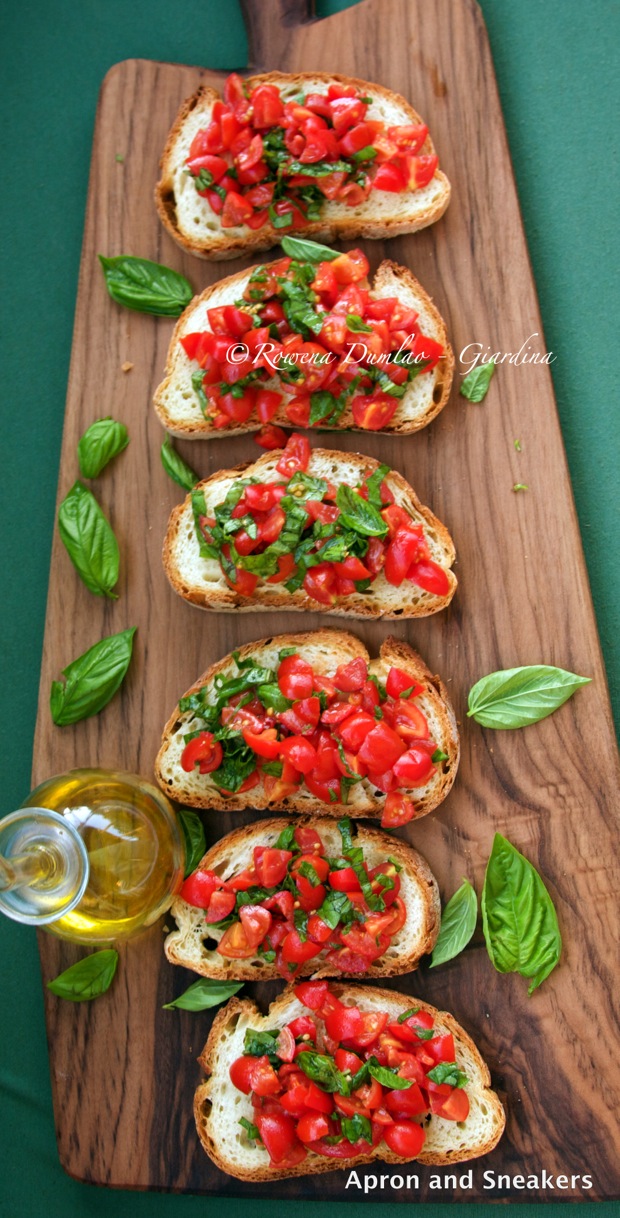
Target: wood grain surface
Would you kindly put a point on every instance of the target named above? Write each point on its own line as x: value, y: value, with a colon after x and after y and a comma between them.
x: 123, y: 1069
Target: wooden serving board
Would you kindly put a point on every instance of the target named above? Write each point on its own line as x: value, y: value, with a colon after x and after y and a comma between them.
x: 123, y: 1069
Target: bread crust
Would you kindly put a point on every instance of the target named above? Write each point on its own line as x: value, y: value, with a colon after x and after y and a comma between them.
x: 411, y: 948
x: 314, y: 1164
x: 345, y: 227
x: 342, y: 648
x: 269, y: 596
x: 441, y: 375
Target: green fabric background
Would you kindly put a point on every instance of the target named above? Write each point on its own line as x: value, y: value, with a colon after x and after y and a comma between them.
x: 554, y: 62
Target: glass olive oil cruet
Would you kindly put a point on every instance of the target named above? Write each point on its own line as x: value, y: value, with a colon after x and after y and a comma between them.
x: 93, y: 855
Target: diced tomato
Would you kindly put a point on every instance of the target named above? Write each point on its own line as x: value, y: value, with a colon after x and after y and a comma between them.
x: 267, y: 403
x: 356, y: 729
x: 241, y: 1073
x: 308, y: 840
x: 454, y: 1107
x: 344, y: 1023
x: 236, y: 210
x: 381, y: 748
x: 199, y: 887
x: 220, y: 906
x: 402, y: 551
x: 294, y: 951
x: 304, y: 1025
x: 299, y: 751
x: 271, y: 865
x: 390, y: 177
x: 420, y: 170
x: 408, y: 720
x: 407, y: 1103
x: 350, y: 677
x: 398, y: 810
x: 409, y: 137
x: 389, y: 894
x: 270, y: 437
x: 203, y: 751
x: 264, y: 744
x: 344, y: 880
x: 298, y: 411
x: 426, y: 350
x: 404, y: 1138
x: 277, y: 1131
x: 351, y: 267
x: 295, y: 678
x: 318, y: 930
x: 414, y: 767
x: 295, y: 457
x: 303, y: 717
x: 399, y: 681
x: 373, y: 413
x: 430, y: 576
x: 313, y: 994
x: 267, y: 106
x: 319, y: 583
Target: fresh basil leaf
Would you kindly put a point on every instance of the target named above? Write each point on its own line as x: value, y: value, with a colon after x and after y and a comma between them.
x: 272, y: 698
x: 198, y: 377
x: 260, y: 1044
x: 458, y: 923
x: 365, y: 154
x: 317, y: 169
x: 518, y: 916
x: 336, y: 908
x: 358, y: 514
x: 250, y: 1129
x: 193, y: 839
x: 438, y: 756
x: 516, y: 697
x: 275, y: 769
x: 204, y: 994
x: 407, y: 1014
x: 356, y: 1128
x: 448, y: 1072
x: 286, y: 840
x: 146, y: 286
x: 322, y: 1070
x: 307, y: 251
x: 307, y: 871
x: 91, y: 680
x: 325, y: 407
x: 176, y: 468
x: 475, y: 385
x: 374, y: 484
x: 357, y: 325
x: 103, y: 440
x: 86, y: 979
x: 89, y: 541
x: 280, y: 221
x: 387, y: 1077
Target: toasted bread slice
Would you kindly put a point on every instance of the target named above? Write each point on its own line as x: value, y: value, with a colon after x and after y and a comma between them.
x: 177, y: 404
x: 193, y: 944
x: 324, y: 650
x: 193, y: 224
x: 218, y: 1105
x: 201, y: 580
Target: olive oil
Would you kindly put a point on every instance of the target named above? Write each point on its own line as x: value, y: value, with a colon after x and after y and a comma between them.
x: 134, y: 848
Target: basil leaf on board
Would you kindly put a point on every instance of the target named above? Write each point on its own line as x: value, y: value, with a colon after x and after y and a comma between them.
x: 146, y: 286
x: 89, y: 541
x: 516, y: 697
x: 86, y: 979
x: 91, y: 680
x: 458, y: 923
x: 204, y: 994
x: 103, y: 440
x: 176, y: 468
x: 447, y: 1072
x: 307, y: 251
x: 193, y: 839
x: 359, y: 514
x: 518, y: 916
x: 475, y: 385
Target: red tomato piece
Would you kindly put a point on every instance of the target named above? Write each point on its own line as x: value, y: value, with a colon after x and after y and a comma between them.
x: 295, y: 457
x: 408, y: 720
x: 398, y: 810
x: 420, y: 170
x: 267, y: 107
x: 373, y: 413
x: 430, y: 576
x: 295, y: 678
x: 303, y: 717
x: 381, y: 748
x: 344, y: 880
x: 308, y: 840
x: 402, y: 551
x: 414, y: 767
x: 318, y: 930
x: 344, y: 1023
x: 203, y: 751
x: 304, y: 1025
x: 277, y: 1131
x: 270, y: 437
x: 319, y: 583
x: 199, y: 887
x: 398, y: 681
x: 350, y: 267
x: 350, y: 677
x: 264, y: 744
x: 407, y: 1103
x: 313, y: 994
x: 271, y: 865
x: 455, y: 1107
x: 300, y: 752
x: 426, y: 350
x: 405, y: 1138
x: 286, y: 567
x: 356, y: 729
x: 296, y: 952
x: 390, y: 177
